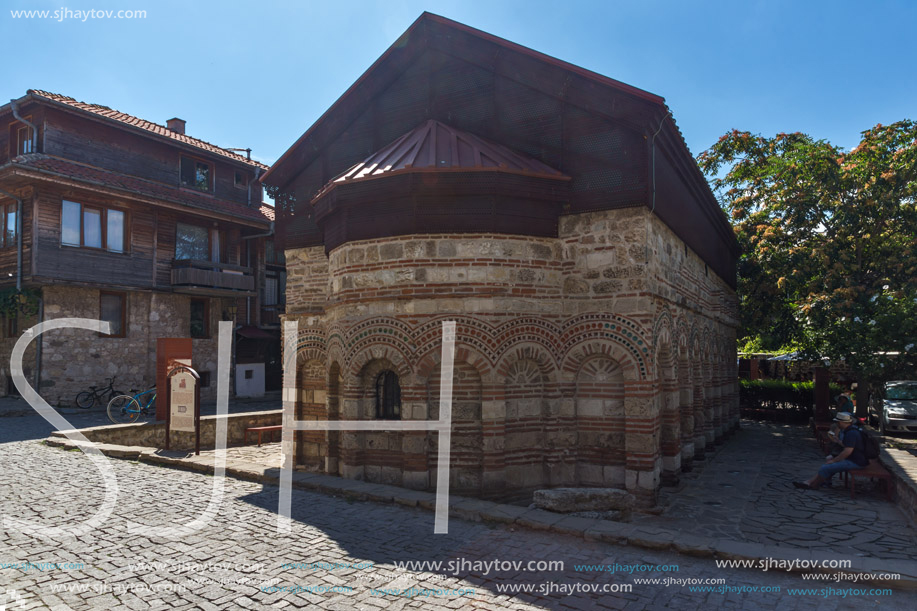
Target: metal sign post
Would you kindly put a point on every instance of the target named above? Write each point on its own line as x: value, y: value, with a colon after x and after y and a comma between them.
x: 183, y: 404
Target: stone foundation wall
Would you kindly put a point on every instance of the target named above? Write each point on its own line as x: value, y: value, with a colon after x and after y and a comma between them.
x: 153, y: 434
x: 74, y: 359
x: 7, y: 342
x: 599, y: 358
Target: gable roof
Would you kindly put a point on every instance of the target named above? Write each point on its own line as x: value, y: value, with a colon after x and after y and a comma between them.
x: 285, y: 168
x: 143, y: 124
x: 619, y: 144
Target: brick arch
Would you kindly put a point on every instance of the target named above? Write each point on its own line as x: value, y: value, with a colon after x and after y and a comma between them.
x: 304, y: 355
x: 668, y: 443
x: 335, y: 385
x: 463, y: 353
x: 580, y: 352
x: 335, y: 348
x: 530, y: 440
x: 706, y: 344
x: 527, y: 341
x: 685, y: 375
x: 358, y: 361
x: 466, y: 463
x: 694, y: 340
x: 530, y: 352
x: 470, y: 332
x: 311, y: 396
x: 682, y: 337
x: 663, y: 328
x: 630, y: 338
x: 599, y: 412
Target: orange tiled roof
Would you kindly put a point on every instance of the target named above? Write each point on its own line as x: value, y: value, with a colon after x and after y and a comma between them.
x: 267, y: 211
x: 69, y: 169
x: 105, y: 111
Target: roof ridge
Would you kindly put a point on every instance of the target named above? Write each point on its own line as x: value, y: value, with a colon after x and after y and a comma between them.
x: 392, y: 158
x: 135, y: 121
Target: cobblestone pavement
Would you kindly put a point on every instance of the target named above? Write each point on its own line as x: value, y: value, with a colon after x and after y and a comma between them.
x: 39, y: 482
x: 746, y: 493
x: 268, y: 454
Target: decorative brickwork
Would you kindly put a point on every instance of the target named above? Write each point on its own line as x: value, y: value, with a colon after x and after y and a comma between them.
x: 602, y: 357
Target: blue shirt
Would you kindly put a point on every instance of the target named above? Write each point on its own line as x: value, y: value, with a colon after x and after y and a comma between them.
x: 851, y: 437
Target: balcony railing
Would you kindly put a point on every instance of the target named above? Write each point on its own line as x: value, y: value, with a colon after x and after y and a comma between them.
x: 209, y: 278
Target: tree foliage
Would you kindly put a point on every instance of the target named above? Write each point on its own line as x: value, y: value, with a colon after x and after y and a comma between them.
x: 829, y: 242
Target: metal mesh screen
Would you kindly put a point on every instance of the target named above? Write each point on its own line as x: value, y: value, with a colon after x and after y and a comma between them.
x: 405, y: 103
x: 535, y: 121
x: 608, y: 161
x: 464, y: 93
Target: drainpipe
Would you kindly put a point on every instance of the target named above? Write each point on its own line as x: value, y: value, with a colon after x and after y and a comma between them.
x: 257, y: 176
x: 19, y: 118
x: 18, y: 239
x: 41, y: 317
x: 248, y: 300
x: 267, y: 234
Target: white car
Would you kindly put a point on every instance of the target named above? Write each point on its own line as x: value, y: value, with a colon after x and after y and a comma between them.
x: 897, y: 412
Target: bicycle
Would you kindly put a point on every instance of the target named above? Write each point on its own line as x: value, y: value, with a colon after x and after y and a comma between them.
x: 126, y: 409
x: 88, y: 398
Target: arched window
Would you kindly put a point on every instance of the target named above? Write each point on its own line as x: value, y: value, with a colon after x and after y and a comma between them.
x: 388, y: 396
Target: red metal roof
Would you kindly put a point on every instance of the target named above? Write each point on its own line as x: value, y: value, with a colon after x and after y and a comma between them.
x: 59, y: 167
x: 161, y: 130
x: 436, y: 147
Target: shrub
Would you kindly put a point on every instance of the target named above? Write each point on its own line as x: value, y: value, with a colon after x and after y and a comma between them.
x: 780, y: 399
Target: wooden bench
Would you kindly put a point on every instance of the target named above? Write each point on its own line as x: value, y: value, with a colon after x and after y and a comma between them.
x: 821, y: 435
x: 873, y: 471
x: 261, y: 430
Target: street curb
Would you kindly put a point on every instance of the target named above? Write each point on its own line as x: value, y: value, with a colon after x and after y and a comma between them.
x: 15, y: 413
x: 589, y: 529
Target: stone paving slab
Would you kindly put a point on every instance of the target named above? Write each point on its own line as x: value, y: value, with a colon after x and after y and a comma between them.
x: 745, y: 493
x: 648, y: 532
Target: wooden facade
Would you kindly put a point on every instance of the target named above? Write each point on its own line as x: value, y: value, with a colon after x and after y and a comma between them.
x: 121, y: 180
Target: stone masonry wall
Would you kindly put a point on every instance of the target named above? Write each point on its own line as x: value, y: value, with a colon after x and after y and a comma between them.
x: 697, y: 318
x: 74, y: 359
x: 6, y: 349
x: 600, y: 357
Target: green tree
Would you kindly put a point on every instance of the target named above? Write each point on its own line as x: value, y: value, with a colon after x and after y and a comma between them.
x: 829, y: 242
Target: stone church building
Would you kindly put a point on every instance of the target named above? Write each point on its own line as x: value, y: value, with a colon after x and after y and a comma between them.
x: 558, y: 217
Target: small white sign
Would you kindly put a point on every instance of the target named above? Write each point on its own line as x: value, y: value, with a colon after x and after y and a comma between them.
x: 182, y: 402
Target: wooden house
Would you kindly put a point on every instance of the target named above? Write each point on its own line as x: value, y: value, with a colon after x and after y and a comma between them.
x: 109, y: 216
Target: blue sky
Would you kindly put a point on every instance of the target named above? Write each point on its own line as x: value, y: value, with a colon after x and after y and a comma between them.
x: 258, y: 74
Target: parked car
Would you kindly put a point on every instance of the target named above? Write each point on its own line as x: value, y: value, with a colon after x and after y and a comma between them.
x: 896, y: 410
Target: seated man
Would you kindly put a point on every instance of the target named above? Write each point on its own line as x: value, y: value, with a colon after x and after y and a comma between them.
x: 844, y: 404
x: 852, y: 457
